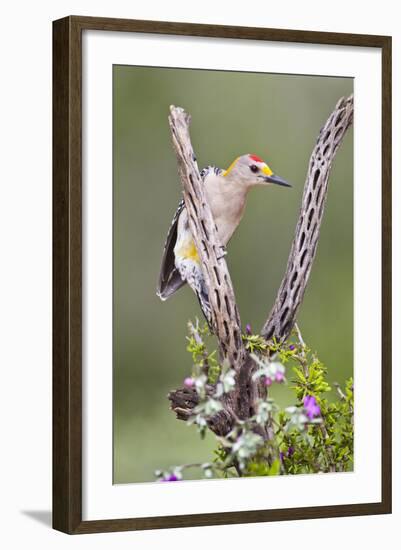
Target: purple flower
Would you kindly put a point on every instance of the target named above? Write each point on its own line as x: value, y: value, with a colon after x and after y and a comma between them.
x: 171, y: 477
x: 248, y: 329
x: 268, y: 381
x: 281, y: 456
x: 279, y: 377
x: 311, y: 407
x: 189, y: 382
x: 292, y: 347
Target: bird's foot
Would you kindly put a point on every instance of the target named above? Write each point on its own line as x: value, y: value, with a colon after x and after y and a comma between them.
x: 223, y: 252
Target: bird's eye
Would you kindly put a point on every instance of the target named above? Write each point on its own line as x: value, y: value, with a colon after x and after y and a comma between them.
x: 254, y: 168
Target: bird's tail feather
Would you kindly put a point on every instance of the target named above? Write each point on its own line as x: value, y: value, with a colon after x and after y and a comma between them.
x: 174, y: 283
x: 205, y: 306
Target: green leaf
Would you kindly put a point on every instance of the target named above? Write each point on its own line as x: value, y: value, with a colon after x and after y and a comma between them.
x: 275, y: 468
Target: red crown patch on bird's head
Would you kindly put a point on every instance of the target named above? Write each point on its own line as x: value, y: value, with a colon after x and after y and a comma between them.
x: 256, y: 158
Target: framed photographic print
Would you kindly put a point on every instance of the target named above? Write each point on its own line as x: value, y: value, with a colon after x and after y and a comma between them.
x: 222, y: 274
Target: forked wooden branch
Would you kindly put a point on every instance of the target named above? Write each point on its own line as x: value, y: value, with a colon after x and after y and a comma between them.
x: 240, y: 403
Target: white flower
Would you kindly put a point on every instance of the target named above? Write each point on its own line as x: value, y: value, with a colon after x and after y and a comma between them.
x: 200, y: 384
x: 228, y: 380
x: 247, y: 445
x: 270, y: 370
x: 263, y: 409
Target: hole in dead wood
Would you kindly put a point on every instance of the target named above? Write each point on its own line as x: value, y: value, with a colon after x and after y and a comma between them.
x: 303, y: 257
x: 287, y: 328
x: 204, y: 229
x: 310, y: 216
x: 327, y: 135
x: 318, y: 194
x: 315, y: 178
x: 326, y: 149
x: 205, y: 249
x: 308, y: 200
x: 237, y: 338
x: 218, y: 298
x: 227, y: 331
x: 338, y: 133
x: 339, y: 118
x: 284, y: 315
x: 296, y: 292
x: 293, y: 279
x: 227, y: 305
x: 270, y: 332
x: 216, y: 272
x: 235, y: 355
x: 283, y: 297
x: 301, y: 242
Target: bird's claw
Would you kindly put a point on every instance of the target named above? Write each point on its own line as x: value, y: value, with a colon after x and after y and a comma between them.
x: 223, y: 252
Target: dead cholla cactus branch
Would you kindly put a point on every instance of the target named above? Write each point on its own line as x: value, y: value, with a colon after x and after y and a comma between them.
x: 225, y: 317
x: 303, y: 251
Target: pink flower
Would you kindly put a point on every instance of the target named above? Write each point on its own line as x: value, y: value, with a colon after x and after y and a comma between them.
x: 268, y: 381
x: 279, y: 377
x: 189, y: 382
x: 311, y: 407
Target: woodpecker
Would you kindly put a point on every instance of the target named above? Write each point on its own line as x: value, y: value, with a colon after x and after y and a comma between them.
x: 226, y: 192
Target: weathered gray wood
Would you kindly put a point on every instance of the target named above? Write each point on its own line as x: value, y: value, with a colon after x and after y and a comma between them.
x: 303, y: 251
x: 225, y: 317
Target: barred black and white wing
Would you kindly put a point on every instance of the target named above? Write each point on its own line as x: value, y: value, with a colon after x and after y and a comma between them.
x: 170, y: 279
x: 210, y: 170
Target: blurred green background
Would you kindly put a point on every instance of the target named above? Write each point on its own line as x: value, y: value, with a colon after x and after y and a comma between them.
x: 277, y: 117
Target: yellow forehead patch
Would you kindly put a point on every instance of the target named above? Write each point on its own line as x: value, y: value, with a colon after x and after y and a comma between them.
x: 267, y: 170
x: 230, y: 167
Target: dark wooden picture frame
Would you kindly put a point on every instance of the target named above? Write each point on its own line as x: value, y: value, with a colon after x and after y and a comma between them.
x: 67, y: 274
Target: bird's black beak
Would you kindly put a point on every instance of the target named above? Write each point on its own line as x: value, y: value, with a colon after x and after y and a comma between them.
x: 277, y: 180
